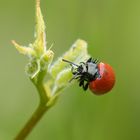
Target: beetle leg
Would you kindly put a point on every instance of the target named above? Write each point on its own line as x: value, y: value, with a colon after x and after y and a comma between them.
x: 85, y: 87
x: 76, y: 76
x: 81, y: 83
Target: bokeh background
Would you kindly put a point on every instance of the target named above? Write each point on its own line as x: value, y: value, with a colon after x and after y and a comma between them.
x: 112, y: 30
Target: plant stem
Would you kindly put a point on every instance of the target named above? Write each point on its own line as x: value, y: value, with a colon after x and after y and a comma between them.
x: 40, y: 111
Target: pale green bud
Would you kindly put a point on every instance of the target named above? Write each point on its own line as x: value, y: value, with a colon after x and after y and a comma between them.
x: 40, y: 25
x: 76, y: 54
x: 32, y: 68
x: 46, y: 59
x: 63, y: 78
x: 40, y: 43
x: 39, y: 57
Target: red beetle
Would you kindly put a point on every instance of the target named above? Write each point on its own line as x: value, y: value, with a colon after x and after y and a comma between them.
x: 105, y: 82
x: 99, y: 77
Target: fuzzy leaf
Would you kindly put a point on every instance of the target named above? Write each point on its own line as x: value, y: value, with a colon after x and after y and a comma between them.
x: 76, y: 54
x: 24, y: 50
x: 40, y: 42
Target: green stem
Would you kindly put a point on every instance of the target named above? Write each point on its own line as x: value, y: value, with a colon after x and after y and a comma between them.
x: 40, y: 111
x: 42, y: 93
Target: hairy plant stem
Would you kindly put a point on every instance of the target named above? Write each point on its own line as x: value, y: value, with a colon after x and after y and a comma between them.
x: 40, y: 111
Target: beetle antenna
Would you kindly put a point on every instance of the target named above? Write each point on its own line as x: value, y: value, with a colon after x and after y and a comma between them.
x: 74, y: 77
x: 70, y: 62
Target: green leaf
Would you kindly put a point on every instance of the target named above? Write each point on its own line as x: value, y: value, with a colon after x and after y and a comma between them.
x: 77, y: 53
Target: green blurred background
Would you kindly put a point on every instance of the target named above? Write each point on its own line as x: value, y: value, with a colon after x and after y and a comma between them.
x: 112, y: 30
